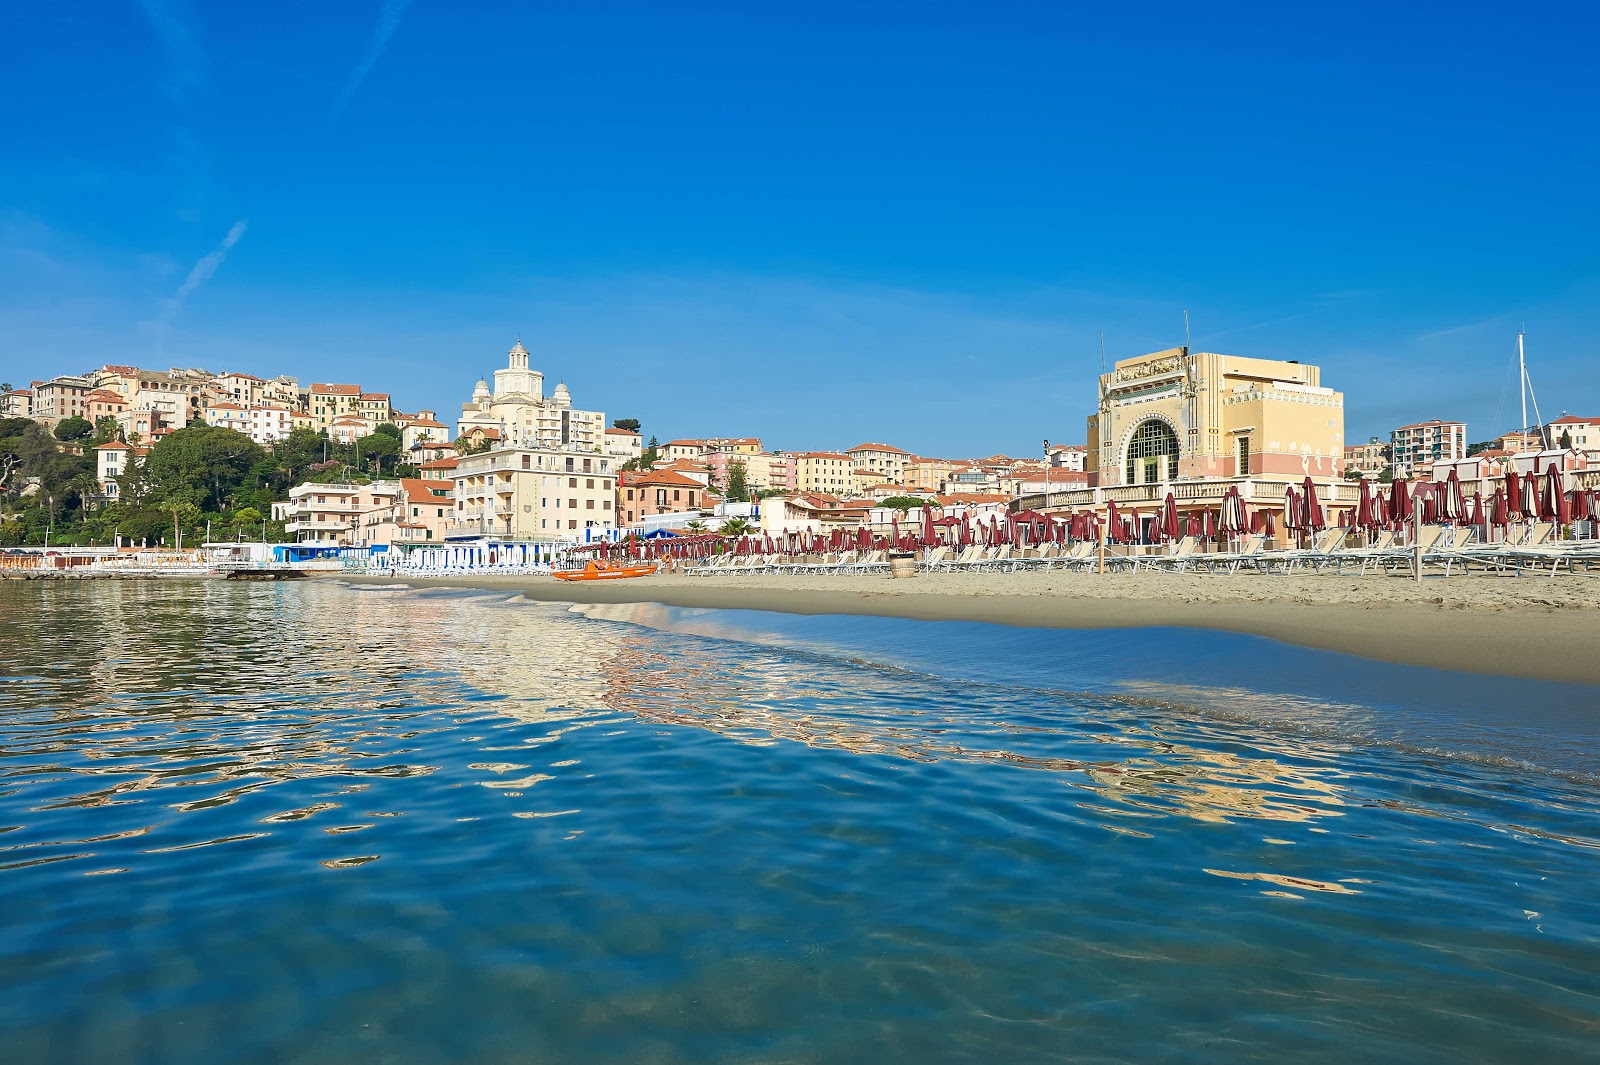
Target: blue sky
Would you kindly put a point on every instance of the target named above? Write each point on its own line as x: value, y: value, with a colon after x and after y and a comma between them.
x: 817, y: 222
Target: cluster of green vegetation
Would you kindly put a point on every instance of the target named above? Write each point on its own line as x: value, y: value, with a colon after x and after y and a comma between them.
x: 197, y: 478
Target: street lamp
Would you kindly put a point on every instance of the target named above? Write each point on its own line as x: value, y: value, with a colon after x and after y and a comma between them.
x: 1047, y: 473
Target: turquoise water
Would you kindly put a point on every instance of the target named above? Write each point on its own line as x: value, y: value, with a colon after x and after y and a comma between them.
x: 307, y: 823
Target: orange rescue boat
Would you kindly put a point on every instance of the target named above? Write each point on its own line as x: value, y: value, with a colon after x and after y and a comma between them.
x: 602, y: 571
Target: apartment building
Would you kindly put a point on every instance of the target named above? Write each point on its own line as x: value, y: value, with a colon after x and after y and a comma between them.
x: 422, y: 513
x: 103, y: 403
x: 60, y: 398
x: 1571, y: 431
x: 1370, y: 459
x: 112, y: 461
x: 17, y: 403
x: 714, y: 445
x: 535, y: 493
x: 876, y: 463
x: 241, y: 388
x: 1419, y: 446
x: 1068, y: 456
x: 644, y: 493
x: 327, y: 403
x: 622, y: 445
x: 334, y: 513
x: 827, y: 472
x: 421, y: 428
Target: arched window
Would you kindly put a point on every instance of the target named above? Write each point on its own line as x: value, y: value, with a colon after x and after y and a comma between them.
x: 1151, y: 445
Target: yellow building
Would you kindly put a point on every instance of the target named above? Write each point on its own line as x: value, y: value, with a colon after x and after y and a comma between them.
x: 1175, y: 415
x: 534, y: 493
x: 823, y: 471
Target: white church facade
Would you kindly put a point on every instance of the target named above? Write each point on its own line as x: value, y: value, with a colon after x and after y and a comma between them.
x: 516, y: 412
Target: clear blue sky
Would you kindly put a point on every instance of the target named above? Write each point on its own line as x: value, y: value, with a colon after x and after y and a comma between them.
x: 818, y: 222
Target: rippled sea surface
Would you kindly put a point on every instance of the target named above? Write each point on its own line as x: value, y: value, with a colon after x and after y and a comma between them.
x: 310, y: 823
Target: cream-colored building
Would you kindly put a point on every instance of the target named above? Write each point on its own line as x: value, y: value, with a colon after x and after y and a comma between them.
x: 876, y: 463
x: 524, y: 417
x: 828, y: 472
x: 327, y: 403
x: 421, y: 428
x: 1174, y: 415
x: 335, y: 513
x: 1371, y: 458
x: 1414, y: 448
x: 623, y: 445
x: 535, y: 493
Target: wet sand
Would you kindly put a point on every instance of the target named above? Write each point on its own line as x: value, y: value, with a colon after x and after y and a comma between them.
x: 1512, y: 626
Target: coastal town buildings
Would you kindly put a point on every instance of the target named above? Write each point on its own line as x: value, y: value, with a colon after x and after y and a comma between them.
x: 1369, y: 459
x: 1418, y: 446
x: 113, y: 460
x: 1067, y: 456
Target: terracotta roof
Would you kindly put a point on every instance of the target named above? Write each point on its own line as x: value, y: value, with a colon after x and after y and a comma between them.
x: 430, y: 422
x: 115, y: 445
x: 449, y: 462
x: 105, y: 394
x: 423, y: 488
x: 244, y: 377
x: 376, y: 396
x: 223, y: 406
x: 614, y: 431
x: 336, y: 390
x: 877, y: 447
x: 823, y: 455
x: 1573, y: 419
x: 661, y: 477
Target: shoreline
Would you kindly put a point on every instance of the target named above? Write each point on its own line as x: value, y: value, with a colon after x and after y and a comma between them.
x: 1520, y: 627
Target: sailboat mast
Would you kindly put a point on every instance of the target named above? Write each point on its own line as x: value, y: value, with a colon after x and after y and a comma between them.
x: 1522, y: 386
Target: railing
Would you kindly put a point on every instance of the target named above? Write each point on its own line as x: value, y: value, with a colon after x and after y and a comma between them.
x: 1254, y: 490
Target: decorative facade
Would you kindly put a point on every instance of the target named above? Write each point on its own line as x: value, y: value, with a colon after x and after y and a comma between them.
x: 1175, y: 415
x: 522, y: 416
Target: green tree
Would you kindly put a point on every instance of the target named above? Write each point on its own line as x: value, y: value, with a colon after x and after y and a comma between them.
x: 904, y: 503
x: 389, y: 429
x: 73, y: 428
x: 630, y: 424
x: 379, y: 449
x: 738, y: 481
x: 695, y: 526
x: 207, y: 465
x: 5, y: 386
x: 736, y: 527
x: 105, y: 430
x: 1386, y: 475
x: 1566, y: 439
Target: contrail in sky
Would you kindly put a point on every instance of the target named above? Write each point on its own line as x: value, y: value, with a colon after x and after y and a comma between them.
x: 388, y: 22
x: 203, y: 270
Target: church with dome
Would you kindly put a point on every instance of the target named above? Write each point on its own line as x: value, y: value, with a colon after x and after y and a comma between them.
x: 517, y: 413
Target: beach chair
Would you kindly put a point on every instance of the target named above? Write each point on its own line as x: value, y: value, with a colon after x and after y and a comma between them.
x: 1251, y: 548
x: 934, y: 557
x: 1178, y: 558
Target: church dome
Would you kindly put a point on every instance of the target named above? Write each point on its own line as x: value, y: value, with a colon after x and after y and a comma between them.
x: 563, y: 396
x: 481, y: 392
x: 517, y: 348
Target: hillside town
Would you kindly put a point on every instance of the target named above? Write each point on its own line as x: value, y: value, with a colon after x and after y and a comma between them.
x: 521, y: 464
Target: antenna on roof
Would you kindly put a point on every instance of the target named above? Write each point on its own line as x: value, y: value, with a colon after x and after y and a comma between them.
x: 1102, y: 351
x: 1186, y: 330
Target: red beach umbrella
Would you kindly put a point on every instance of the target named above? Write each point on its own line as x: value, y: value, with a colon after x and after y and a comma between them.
x: 1555, y: 497
x: 1399, y: 503
x: 1208, y: 524
x: 1268, y: 526
x: 1113, y: 523
x: 1528, y: 503
x: 1169, y: 519
x: 1452, y: 504
x: 1315, y: 518
x: 1500, y: 514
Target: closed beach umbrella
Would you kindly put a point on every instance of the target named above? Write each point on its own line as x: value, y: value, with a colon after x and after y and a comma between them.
x: 1399, y: 503
x: 1453, y: 506
x: 1513, y: 493
x: 1268, y: 526
x: 1476, y: 514
x: 1557, y: 509
x: 1315, y: 518
x: 1169, y: 519
x: 1529, y: 500
x: 1208, y: 523
x: 1499, y: 512
x: 1113, y: 524
x: 1364, y: 505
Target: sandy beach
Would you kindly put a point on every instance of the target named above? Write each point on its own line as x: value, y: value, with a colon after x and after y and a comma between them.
x: 1540, y: 627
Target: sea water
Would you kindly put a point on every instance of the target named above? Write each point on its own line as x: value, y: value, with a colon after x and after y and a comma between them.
x: 312, y: 823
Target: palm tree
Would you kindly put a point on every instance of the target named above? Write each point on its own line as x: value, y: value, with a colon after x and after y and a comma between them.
x: 736, y: 527
x: 695, y: 526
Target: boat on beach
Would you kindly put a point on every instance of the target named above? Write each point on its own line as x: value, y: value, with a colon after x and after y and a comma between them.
x: 603, y: 571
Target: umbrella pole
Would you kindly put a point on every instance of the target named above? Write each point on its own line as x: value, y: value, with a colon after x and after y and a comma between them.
x: 1105, y: 530
x: 1416, y: 542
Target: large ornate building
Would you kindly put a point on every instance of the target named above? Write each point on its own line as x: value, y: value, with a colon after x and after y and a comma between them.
x: 1175, y: 415
x: 516, y: 413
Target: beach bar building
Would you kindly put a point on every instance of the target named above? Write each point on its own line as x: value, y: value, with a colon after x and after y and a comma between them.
x: 1197, y: 423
